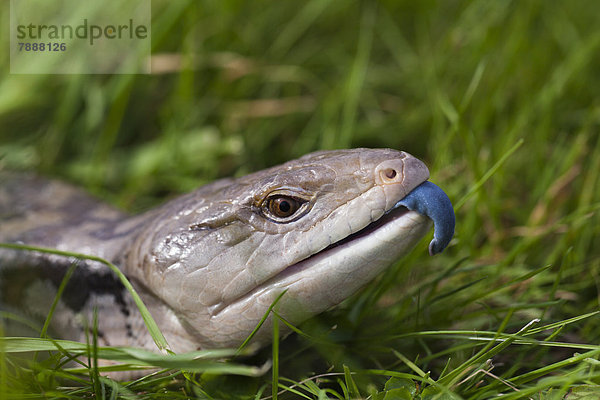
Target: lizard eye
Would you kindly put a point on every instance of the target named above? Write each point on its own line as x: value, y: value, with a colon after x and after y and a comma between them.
x: 282, y: 208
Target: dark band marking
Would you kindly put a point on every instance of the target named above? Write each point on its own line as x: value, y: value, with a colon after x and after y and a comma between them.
x: 83, y: 284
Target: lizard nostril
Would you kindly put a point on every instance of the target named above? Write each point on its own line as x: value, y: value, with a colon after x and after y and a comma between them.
x: 390, y: 173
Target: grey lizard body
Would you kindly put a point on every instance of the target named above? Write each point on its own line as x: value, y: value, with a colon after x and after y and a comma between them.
x: 209, y: 264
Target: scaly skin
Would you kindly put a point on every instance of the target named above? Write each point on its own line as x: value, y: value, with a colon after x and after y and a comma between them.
x: 209, y: 264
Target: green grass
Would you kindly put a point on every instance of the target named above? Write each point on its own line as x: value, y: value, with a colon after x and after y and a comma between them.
x: 499, y: 98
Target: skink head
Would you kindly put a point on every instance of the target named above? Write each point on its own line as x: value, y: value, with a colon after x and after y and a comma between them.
x: 319, y: 227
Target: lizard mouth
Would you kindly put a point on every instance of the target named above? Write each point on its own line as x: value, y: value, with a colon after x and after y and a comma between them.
x: 388, y: 217
x: 349, y: 246
x: 375, y: 246
x: 388, y: 237
x: 426, y: 199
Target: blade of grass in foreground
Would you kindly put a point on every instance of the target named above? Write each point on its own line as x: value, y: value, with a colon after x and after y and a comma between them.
x: 262, y: 321
x: 59, y: 292
x: 275, y: 369
x: 195, y: 361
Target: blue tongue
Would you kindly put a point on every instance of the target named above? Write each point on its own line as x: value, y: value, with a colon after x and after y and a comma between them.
x: 428, y: 199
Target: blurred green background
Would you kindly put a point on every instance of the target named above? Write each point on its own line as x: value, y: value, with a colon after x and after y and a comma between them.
x: 237, y: 86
